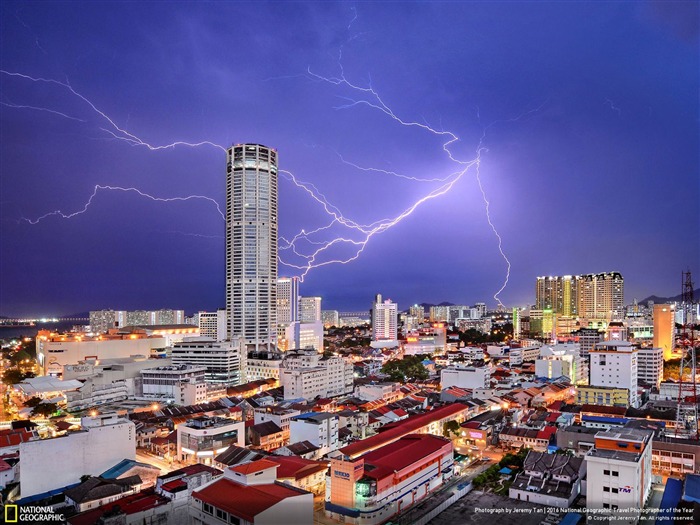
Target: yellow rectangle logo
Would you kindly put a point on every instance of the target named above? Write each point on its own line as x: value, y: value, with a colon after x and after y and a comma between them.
x: 11, y: 513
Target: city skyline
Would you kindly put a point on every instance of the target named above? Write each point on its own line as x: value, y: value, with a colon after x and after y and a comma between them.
x: 570, y: 127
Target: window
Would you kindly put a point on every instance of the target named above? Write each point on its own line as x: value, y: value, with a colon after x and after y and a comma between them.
x: 222, y: 515
x: 606, y: 505
x: 615, y: 491
x: 208, y: 509
x: 615, y: 473
x: 606, y: 473
x: 606, y: 489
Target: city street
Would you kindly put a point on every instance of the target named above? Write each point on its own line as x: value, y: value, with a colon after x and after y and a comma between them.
x: 150, y: 459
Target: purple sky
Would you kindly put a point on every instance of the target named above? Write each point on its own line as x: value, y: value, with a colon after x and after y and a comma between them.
x: 588, y: 113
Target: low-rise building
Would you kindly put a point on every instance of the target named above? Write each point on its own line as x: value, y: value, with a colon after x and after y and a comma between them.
x: 465, y: 377
x: 603, y: 395
x: 536, y: 439
x: 249, y: 494
x: 380, y: 484
x: 553, y: 480
x: 266, y: 436
x: 307, y: 374
x: 202, y: 438
x: 319, y: 428
x: 619, y: 474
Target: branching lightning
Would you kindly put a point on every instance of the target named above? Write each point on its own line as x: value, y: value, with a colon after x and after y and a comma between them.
x: 320, y: 246
x: 98, y: 188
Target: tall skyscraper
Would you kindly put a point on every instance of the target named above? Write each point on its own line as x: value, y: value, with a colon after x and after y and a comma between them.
x: 251, y: 245
x: 287, y: 300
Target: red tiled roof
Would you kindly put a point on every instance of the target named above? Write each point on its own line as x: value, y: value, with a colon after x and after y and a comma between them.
x: 11, y: 438
x: 254, y: 466
x: 546, y: 433
x: 296, y: 467
x: 244, y: 501
x: 401, y: 454
x: 402, y: 428
x: 129, y: 505
x: 172, y: 485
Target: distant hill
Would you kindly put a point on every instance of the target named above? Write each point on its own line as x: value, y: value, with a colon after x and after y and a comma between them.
x: 675, y: 299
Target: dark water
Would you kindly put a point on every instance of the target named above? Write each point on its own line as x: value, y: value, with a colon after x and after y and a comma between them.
x: 31, y: 331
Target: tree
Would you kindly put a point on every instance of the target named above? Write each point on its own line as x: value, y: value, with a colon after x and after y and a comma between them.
x: 32, y: 402
x: 451, y: 427
x: 13, y: 376
x: 45, y: 409
x: 410, y: 368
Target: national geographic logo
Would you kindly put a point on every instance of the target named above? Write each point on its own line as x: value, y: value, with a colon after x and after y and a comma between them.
x: 15, y: 514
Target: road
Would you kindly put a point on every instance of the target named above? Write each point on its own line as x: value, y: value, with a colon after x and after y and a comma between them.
x: 150, y: 459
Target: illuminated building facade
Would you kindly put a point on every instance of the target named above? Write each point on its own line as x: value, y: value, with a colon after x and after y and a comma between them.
x: 664, y: 325
x: 384, y: 320
x: 287, y: 300
x: 309, y: 309
x: 251, y: 245
x: 591, y: 296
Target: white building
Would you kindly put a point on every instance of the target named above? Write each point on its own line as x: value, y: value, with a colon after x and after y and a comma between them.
x: 319, y: 428
x: 106, y: 381
x: 54, y: 351
x: 54, y: 463
x: 309, y: 309
x: 650, y: 366
x: 426, y: 341
x: 281, y: 417
x: 517, y: 356
x: 213, y: 325
x: 330, y: 318
x: 562, y: 360
x: 263, y: 365
x: 287, y: 300
x: 230, y: 498
x: 465, y: 377
x: 202, y: 438
x: 169, y: 383
x: 614, y: 363
x: 222, y: 360
x: 251, y: 245
x: 384, y: 321
x: 305, y: 336
x: 307, y: 374
x: 619, y: 474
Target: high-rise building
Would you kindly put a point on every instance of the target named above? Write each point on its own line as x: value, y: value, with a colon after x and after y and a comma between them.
x: 418, y: 312
x: 592, y: 296
x: 330, y: 318
x: 251, y: 245
x: 309, y: 309
x: 664, y: 327
x: 384, y: 320
x: 287, y: 300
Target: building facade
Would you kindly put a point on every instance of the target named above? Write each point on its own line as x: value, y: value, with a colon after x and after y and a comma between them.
x: 384, y: 320
x: 251, y: 245
x: 222, y: 360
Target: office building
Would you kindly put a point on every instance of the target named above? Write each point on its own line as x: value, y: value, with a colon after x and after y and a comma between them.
x: 664, y: 327
x: 309, y: 309
x: 223, y: 361
x: 169, y: 383
x: 263, y: 365
x: 465, y: 377
x: 213, y: 325
x: 587, y: 338
x: 287, y: 300
x: 615, y: 364
x: 384, y: 321
x: 562, y: 360
x: 251, y: 245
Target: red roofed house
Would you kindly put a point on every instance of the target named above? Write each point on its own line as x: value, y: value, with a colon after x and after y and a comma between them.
x: 249, y: 494
x: 384, y: 481
x: 304, y: 474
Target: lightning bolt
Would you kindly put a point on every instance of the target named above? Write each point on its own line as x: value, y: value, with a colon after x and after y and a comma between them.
x: 98, y: 188
x: 115, y: 131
